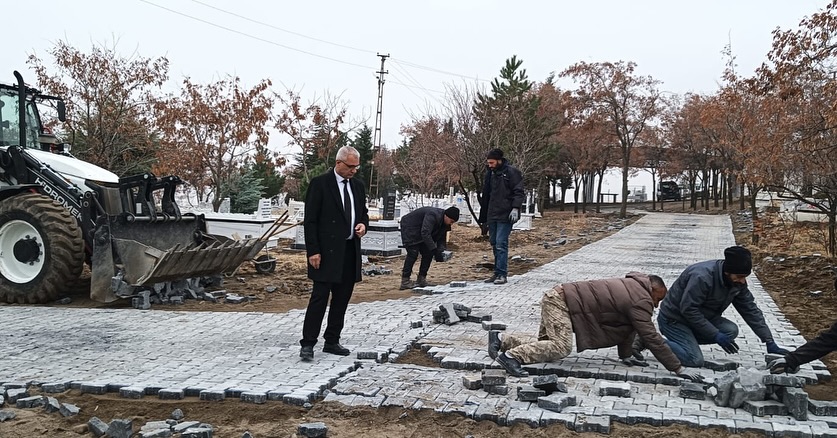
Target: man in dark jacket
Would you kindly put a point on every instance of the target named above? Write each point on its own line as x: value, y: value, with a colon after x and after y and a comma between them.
x: 502, y: 197
x: 336, y: 218
x: 601, y: 313
x: 824, y: 343
x: 690, y: 315
x: 423, y: 231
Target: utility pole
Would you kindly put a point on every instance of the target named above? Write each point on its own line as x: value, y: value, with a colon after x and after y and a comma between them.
x: 376, y: 139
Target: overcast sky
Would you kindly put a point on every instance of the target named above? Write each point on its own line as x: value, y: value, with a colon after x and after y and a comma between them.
x: 317, y: 46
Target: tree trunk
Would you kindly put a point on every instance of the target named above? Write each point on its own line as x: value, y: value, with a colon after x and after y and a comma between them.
x: 623, y: 212
x: 599, y: 191
x: 741, y: 196
x: 654, y: 192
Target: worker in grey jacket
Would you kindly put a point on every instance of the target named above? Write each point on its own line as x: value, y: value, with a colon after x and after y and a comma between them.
x: 690, y: 314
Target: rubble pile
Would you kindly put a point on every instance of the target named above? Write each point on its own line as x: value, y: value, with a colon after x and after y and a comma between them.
x: 452, y: 313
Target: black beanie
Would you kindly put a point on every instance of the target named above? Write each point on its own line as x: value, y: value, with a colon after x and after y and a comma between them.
x: 494, y: 154
x: 453, y: 213
x: 738, y: 260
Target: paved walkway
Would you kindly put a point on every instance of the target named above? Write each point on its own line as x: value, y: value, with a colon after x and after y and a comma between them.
x: 227, y: 354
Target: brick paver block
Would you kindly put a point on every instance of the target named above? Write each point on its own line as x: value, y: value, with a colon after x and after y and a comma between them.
x: 52, y: 405
x: 69, y: 410
x: 549, y: 383
x: 30, y: 402
x: 471, y: 381
x: 530, y: 417
x: 796, y: 400
x: 496, y: 389
x: 312, y: 430
x: 180, y: 427
x: 494, y: 325
x: 213, y: 394
x: 97, y: 426
x: 556, y: 402
x: 593, y: 423
x: 761, y: 408
x: 783, y: 380
x: 254, y: 397
x: 94, y: 388
x: 493, y: 377
x: 134, y: 392
x: 452, y: 316
x: 822, y: 408
x: 52, y: 388
x: 616, y: 389
x: 720, y: 364
x: 170, y: 394
x: 692, y: 390
x: 528, y: 393
x: 15, y: 393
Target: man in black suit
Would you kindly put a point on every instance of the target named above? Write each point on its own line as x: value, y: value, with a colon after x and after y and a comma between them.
x: 335, y: 219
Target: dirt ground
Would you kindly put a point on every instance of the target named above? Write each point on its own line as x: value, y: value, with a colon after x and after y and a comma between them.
x: 790, y: 277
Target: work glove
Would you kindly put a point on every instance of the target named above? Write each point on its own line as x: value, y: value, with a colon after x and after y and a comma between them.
x: 772, y: 348
x: 692, y: 375
x: 439, y: 255
x: 636, y: 348
x: 514, y: 216
x: 631, y: 361
x: 726, y: 343
x: 780, y: 365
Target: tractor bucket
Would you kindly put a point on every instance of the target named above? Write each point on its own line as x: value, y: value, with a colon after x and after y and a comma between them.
x: 131, y: 256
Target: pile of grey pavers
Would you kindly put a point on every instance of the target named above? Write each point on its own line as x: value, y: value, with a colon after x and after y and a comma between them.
x: 761, y: 393
x: 453, y: 313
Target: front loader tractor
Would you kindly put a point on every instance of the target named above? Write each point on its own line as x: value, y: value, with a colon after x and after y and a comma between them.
x: 58, y: 212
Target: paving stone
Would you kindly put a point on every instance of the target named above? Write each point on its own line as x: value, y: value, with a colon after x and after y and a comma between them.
x: 254, y: 397
x: 170, y: 394
x: 687, y: 420
x: 97, y: 427
x: 783, y: 380
x: 616, y: 389
x: 494, y: 325
x: 154, y: 425
x: 156, y: 433
x: 593, y: 423
x: 496, y: 412
x: 120, y: 428
x: 94, y: 388
x: 639, y: 417
x: 761, y: 408
x: 451, y: 313
x: 12, y: 394
x: 549, y: 383
x: 312, y: 430
x: 724, y: 383
x: 6, y: 415
x: 213, y: 394
x: 750, y: 426
x: 493, y: 377
x: 197, y: 432
x: 528, y: 417
x: 719, y: 423
x: 796, y: 400
x: 52, y: 405
x: 29, y: 402
x: 471, y: 381
x: 692, y: 390
x: 180, y: 427
x: 720, y: 364
x: 528, y: 393
x: 478, y: 317
x: 69, y: 410
x: 556, y: 402
x: 549, y: 418
x: 133, y: 392
x: 822, y: 408
x: 52, y: 388
x: 496, y: 389
x: 791, y: 430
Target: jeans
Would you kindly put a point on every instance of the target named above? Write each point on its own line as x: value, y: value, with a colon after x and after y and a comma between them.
x: 413, y: 252
x: 498, y: 236
x: 685, y: 344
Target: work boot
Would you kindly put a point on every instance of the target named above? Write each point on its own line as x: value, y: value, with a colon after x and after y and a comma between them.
x: 406, y: 283
x: 501, y: 280
x: 421, y: 281
x: 512, y: 365
x: 493, y: 343
x: 491, y: 279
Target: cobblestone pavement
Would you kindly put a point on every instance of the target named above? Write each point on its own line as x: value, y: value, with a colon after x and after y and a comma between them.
x: 254, y: 356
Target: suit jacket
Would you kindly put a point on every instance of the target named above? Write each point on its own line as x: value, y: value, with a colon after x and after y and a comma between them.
x: 326, y: 228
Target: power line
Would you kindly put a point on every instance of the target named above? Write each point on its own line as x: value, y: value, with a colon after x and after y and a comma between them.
x: 406, y: 63
x: 281, y: 29
x: 257, y: 38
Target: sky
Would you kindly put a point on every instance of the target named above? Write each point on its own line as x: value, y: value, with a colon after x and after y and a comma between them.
x: 330, y: 47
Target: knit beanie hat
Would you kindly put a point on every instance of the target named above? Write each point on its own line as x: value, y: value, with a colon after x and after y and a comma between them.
x: 494, y: 154
x: 453, y: 213
x: 738, y: 260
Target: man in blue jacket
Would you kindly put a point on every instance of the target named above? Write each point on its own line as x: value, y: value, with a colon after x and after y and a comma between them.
x: 423, y: 231
x: 690, y: 314
x: 502, y: 197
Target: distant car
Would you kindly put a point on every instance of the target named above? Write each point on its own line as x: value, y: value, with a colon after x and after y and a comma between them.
x: 668, y: 190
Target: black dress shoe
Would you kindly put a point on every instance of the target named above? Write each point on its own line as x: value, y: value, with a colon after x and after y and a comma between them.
x: 336, y: 349
x: 512, y: 366
x: 493, y: 343
x: 307, y: 353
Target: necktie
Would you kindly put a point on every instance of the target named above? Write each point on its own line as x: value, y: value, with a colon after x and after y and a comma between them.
x: 347, y: 202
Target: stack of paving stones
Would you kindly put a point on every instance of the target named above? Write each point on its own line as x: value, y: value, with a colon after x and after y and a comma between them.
x: 17, y: 394
x: 452, y: 313
x: 175, y: 426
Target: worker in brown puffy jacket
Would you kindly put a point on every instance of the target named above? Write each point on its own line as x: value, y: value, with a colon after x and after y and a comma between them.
x: 602, y: 313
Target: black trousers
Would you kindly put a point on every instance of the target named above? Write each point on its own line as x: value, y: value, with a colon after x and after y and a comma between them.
x: 340, y: 293
x: 413, y: 252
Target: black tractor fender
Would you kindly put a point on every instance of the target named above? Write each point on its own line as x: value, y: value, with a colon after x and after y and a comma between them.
x: 7, y: 192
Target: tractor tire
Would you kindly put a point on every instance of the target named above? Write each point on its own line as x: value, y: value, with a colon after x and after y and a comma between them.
x: 41, y: 249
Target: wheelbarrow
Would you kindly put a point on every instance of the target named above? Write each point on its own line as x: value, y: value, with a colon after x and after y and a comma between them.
x: 265, y: 263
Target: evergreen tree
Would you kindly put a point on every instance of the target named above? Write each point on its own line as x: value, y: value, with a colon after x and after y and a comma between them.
x: 244, y: 191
